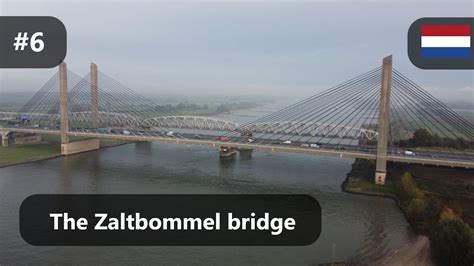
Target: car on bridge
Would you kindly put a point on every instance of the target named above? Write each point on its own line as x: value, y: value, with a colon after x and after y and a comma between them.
x: 247, y: 134
x: 223, y: 138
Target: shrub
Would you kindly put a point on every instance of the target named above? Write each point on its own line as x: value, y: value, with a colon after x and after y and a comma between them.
x: 452, y: 243
x: 410, y: 190
x: 447, y: 214
x: 416, y: 208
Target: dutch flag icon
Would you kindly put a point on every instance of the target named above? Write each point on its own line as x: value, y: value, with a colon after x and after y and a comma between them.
x: 446, y: 41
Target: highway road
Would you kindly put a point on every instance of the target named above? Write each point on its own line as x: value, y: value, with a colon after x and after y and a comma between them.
x: 431, y: 157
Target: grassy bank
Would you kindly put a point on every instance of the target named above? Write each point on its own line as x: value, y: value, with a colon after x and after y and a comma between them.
x: 49, y: 147
x: 25, y: 153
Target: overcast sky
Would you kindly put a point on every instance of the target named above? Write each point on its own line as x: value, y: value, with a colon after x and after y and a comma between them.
x: 237, y: 48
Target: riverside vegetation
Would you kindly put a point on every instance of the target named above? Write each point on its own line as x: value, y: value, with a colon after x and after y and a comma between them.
x: 437, y: 202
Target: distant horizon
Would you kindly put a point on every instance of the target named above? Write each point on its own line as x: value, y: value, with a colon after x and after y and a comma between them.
x: 197, y: 98
x: 273, y: 48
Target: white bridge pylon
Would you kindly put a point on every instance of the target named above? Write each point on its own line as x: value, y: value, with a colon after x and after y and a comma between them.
x: 113, y: 119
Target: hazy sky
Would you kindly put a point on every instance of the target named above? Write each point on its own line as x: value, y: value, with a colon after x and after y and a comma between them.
x: 235, y: 48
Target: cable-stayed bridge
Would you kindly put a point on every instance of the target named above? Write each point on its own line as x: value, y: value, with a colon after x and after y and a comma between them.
x: 375, y: 115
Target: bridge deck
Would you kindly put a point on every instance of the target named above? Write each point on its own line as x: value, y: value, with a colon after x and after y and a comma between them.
x: 258, y: 146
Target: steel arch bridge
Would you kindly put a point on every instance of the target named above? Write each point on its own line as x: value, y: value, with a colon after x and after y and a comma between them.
x: 312, y: 129
x: 191, y: 122
x: 115, y: 119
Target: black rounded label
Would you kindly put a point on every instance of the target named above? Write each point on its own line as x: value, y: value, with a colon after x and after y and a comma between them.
x: 32, y: 42
x: 175, y: 220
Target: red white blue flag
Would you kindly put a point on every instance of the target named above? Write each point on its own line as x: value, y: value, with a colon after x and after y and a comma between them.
x: 446, y: 41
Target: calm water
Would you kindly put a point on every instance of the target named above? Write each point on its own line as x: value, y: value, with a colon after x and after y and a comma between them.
x: 362, y: 228
x: 355, y: 227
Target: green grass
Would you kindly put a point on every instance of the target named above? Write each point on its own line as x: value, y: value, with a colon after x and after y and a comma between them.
x: 49, y: 147
x: 24, y: 153
x: 366, y: 185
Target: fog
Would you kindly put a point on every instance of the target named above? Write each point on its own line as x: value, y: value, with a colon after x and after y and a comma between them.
x: 266, y: 48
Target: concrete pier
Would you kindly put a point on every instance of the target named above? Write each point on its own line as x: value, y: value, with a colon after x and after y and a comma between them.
x: 5, y: 138
x: 79, y: 146
x: 245, y: 154
x: 384, y: 116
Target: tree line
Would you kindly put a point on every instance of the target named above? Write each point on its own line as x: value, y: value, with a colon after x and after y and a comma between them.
x: 423, y: 138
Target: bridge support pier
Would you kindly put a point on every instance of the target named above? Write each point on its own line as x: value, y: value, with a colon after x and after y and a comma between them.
x: 384, y: 116
x: 5, y: 138
x: 245, y: 154
x: 80, y: 146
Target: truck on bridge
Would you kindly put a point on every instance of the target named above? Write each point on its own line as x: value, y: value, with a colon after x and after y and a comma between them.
x: 104, y: 130
x: 24, y: 118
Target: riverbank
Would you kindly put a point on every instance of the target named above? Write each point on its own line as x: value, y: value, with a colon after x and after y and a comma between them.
x: 49, y: 148
x: 426, y: 196
x: 416, y: 253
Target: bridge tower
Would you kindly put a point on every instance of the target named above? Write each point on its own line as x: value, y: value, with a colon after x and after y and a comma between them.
x: 384, y: 117
x: 94, y: 96
x: 63, y: 103
x: 78, y: 146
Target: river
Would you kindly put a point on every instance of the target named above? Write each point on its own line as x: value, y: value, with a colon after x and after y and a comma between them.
x: 355, y: 227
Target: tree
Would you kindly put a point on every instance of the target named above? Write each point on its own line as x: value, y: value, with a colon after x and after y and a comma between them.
x: 447, y: 214
x: 416, y: 208
x: 461, y: 143
x: 422, y: 138
x: 452, y: 243
x: 409, y: 187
